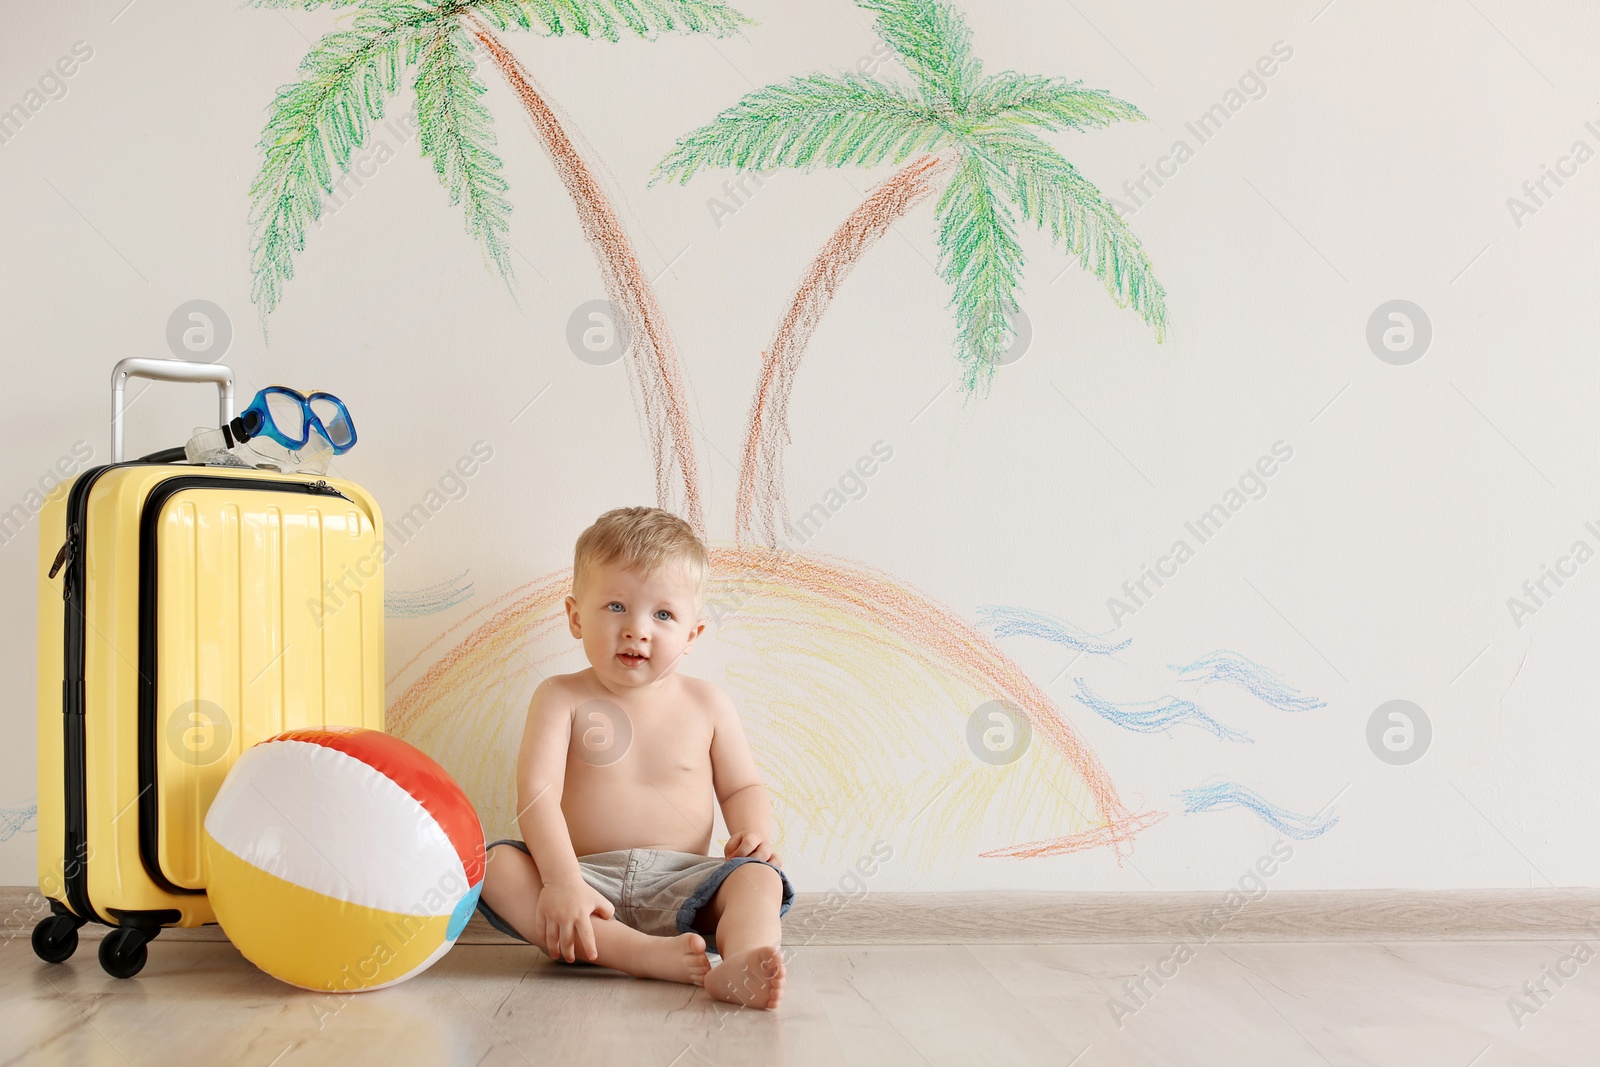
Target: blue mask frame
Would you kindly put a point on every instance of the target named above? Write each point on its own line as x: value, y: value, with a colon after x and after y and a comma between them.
x: 257, y: 420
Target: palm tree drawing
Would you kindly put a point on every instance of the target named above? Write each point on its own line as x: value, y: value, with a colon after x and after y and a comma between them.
x: 847, y: 671
x: 976, y: 135
x: 317, y: 123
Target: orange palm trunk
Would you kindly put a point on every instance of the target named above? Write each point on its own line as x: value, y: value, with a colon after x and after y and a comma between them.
x: 761, y: 497
x: 652, y: 357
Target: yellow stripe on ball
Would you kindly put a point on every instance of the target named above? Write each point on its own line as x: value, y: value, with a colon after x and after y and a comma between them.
x: 314, y: 941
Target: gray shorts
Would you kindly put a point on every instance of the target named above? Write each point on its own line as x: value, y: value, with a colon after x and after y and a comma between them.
x: 655, y: 891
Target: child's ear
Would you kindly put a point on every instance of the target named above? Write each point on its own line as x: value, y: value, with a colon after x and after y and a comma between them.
x: 572, y: 618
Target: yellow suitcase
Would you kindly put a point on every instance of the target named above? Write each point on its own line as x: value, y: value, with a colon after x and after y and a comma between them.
x: 185, y: 613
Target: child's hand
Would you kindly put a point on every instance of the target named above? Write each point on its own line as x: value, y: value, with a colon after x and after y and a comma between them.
x: 749, y: 843
x: 563, y: 914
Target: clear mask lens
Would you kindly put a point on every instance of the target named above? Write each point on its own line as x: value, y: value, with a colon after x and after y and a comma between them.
x: 333, y: 420
x: 287, y: 415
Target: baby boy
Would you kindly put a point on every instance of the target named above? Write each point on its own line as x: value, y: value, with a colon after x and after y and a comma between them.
x: 619, y: 768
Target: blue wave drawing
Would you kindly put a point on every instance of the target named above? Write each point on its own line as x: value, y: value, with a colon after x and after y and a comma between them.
x: 14, y: 821
x: 1233, y: 795
x: 415, y: 603
x: 1021, y: 622
x: 1155, y: 716
x: 1260, y: 682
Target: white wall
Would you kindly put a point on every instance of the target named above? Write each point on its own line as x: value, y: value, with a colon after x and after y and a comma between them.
x: 1377, y: 165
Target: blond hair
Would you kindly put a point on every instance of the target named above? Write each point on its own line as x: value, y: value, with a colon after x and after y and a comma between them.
x: 646, y: 539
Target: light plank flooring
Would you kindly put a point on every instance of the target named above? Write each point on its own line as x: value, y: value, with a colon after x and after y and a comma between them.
x: 1416, y: 1004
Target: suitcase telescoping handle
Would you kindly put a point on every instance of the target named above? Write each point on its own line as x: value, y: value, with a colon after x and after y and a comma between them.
x: 167, y: 370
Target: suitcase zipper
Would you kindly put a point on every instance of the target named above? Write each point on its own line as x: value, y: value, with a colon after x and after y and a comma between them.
x: 150, y: 514
x: 64, y: 559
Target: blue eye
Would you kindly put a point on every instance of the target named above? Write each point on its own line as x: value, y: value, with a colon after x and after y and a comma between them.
x: 665, y: 612
x: 614, y: 604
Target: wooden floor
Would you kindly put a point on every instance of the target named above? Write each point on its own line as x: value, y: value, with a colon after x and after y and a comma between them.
x: 1235, y: 1004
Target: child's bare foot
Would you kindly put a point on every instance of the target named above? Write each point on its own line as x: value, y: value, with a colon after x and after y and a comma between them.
x: 753, y: 978
x: 671, y: 959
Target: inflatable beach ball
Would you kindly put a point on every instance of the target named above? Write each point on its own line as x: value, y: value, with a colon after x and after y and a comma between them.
x: 342, y: 859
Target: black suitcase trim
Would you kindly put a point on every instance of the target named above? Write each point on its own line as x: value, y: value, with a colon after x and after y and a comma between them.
x: 74, y: 774
x: 149, y: 727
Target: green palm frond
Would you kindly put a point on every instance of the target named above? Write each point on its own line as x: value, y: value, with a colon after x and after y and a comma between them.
x: 813, y: 120
x: 1054, y: 103
x: 1053, y: 195
x: 981, y: 260
x: 932, y: 39
x: 608, y: 19
x: 456, y: 131
x: 315, y: 125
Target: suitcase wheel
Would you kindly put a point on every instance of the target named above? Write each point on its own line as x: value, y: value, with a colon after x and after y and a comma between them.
x: 122, y: 953
x: 55, y: 939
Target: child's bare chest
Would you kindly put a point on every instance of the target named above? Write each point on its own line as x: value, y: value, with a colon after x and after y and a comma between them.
x: 659, y: 742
